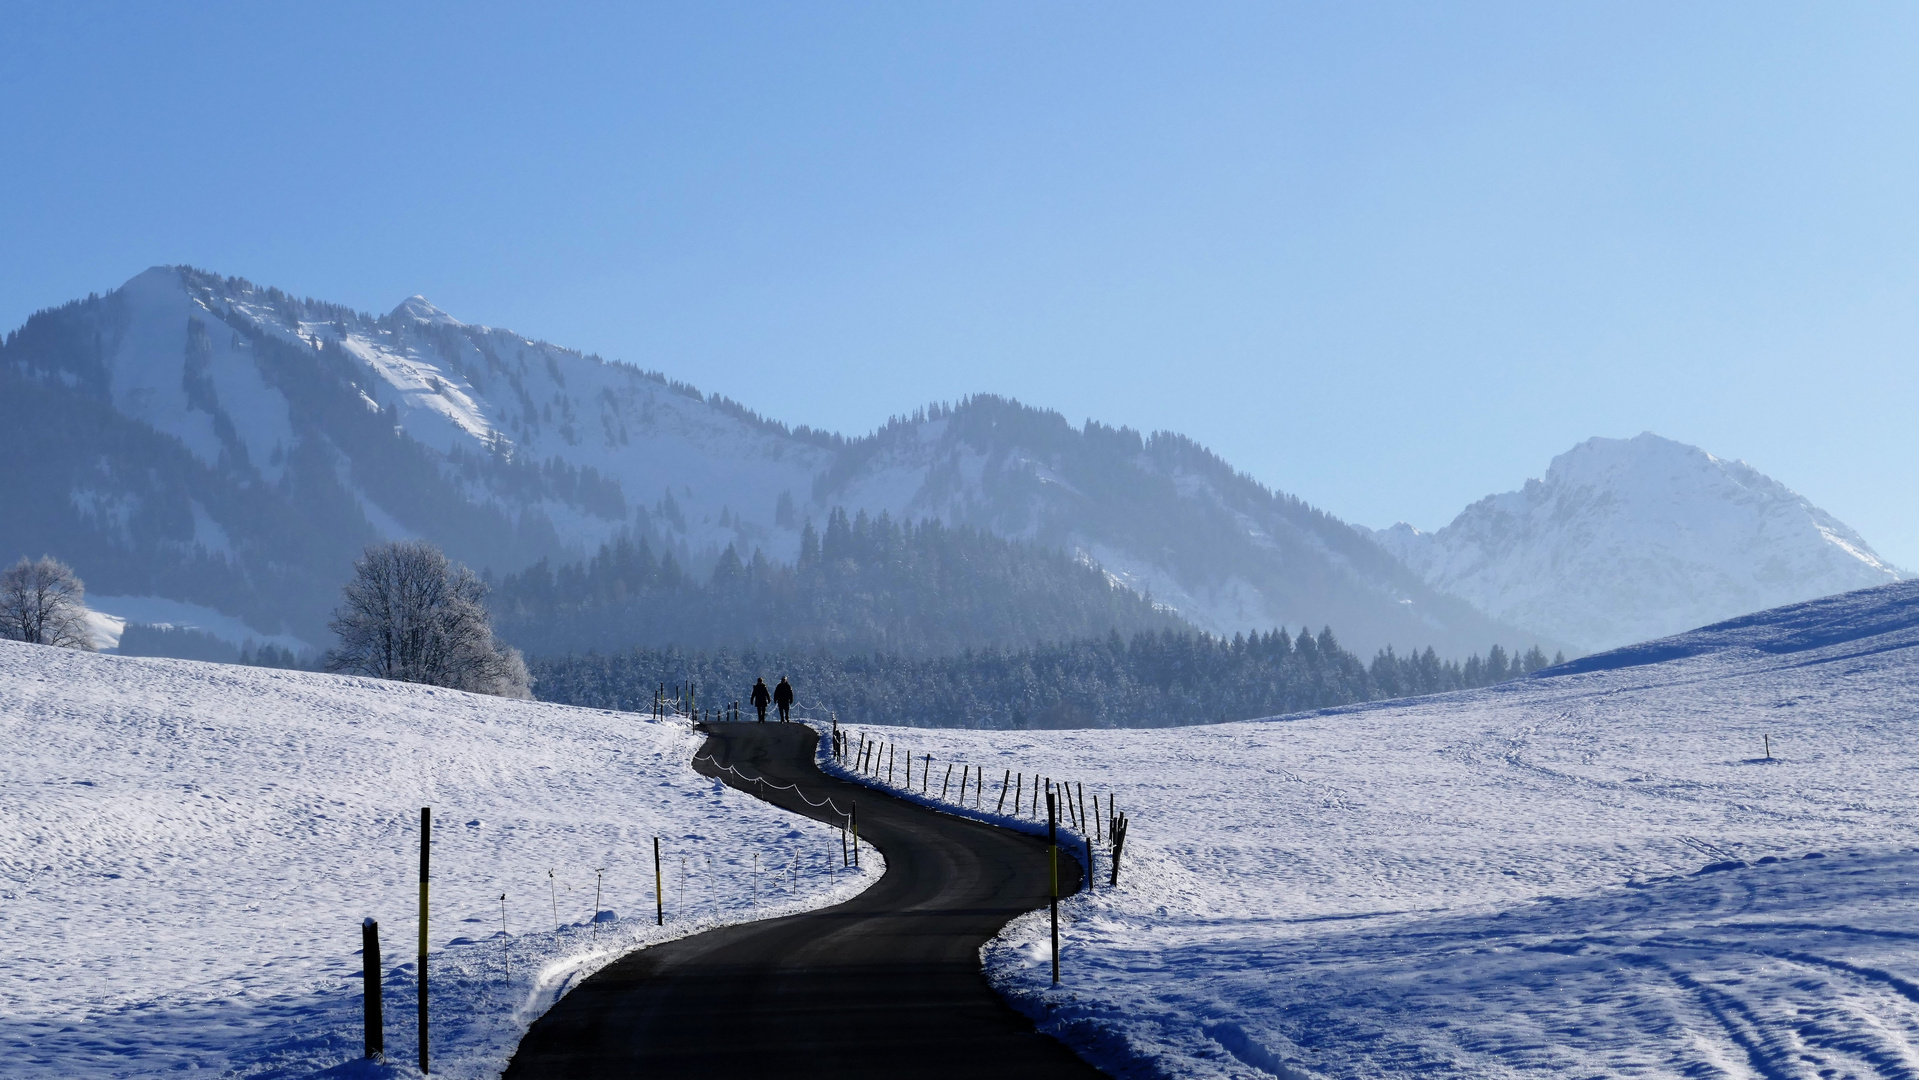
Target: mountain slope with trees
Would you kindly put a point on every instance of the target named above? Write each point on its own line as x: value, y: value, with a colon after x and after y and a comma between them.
x: 863, y: 585
x: 214, y: 442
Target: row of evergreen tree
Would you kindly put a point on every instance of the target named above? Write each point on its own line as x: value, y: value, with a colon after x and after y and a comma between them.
x: 863, y: 585
x: 1156, y: 679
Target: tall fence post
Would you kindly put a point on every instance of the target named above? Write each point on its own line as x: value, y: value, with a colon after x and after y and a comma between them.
x: 426, y: 846
x: 1052, y: 839
x: 370, y: 974
x: 659, y: 890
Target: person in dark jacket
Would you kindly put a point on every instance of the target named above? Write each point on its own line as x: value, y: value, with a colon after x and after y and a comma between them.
x: 783, y: 697
x: 760, y: 697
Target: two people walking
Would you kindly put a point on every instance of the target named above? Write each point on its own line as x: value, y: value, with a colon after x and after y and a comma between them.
x: 781, y: 695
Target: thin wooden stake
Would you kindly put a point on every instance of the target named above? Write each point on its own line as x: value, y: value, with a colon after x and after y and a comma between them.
x: 426, y: 846
x: 948, y: 782
x: 1052, y: 838
x: 659, y: 893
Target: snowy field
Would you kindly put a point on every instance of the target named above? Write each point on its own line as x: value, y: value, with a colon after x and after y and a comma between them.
x: 187, y: 851
x: 1593, y: 874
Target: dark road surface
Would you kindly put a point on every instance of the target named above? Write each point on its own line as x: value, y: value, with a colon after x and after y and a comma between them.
x: 886, y: 984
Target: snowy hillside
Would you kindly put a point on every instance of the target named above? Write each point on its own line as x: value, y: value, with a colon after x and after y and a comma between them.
x: 1599, y: 873
x: 187, y: 850
x: 211, y: 442
x: 1630, y: 539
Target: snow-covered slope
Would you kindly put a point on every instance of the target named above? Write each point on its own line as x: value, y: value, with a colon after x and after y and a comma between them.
x: 1630, y: 539
x: 1599, y: 873
x: 208, y: 441
x: 187, y: 850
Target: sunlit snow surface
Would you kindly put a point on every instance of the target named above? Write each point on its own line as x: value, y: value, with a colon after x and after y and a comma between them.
x: 1594, y: 874
x: 187, y: 850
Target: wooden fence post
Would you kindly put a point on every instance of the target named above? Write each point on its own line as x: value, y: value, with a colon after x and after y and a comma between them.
x: 659, y: 893
x: 948, y: 782
x: 370, y: 976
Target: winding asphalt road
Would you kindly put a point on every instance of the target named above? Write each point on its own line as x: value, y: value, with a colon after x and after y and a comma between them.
x: 886, y: 984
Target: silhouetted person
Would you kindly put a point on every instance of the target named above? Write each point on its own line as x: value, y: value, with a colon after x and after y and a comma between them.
x: 783, y: 697
x: 761, y: 697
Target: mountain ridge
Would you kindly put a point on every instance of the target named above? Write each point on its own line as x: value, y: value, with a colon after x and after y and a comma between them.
x: 351, y: 427
x: 1627, y: 540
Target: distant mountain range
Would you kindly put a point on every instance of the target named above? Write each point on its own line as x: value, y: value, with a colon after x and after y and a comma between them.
x: 215, y: 443
x: 1625, y: 540
x: 211, y: 451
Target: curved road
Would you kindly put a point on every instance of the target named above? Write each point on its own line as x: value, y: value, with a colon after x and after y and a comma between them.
x: 886, y: 984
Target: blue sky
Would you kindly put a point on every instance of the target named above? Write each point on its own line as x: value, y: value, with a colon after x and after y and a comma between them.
x: 1390, y: 258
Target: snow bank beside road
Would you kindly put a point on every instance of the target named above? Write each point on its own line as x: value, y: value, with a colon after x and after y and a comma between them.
x: 1598, y: 873
x: 187, y: 850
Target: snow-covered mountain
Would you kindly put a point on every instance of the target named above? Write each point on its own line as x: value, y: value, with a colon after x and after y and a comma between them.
x: 1630, y: 539
x: 208, y: 441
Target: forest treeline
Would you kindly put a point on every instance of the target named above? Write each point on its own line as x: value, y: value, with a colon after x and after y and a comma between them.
x: 863, y: 585
x: 1152, y: 679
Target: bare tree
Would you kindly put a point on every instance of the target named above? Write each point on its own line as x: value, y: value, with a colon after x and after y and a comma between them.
x: 44, y: 603
x: 411, y: 615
